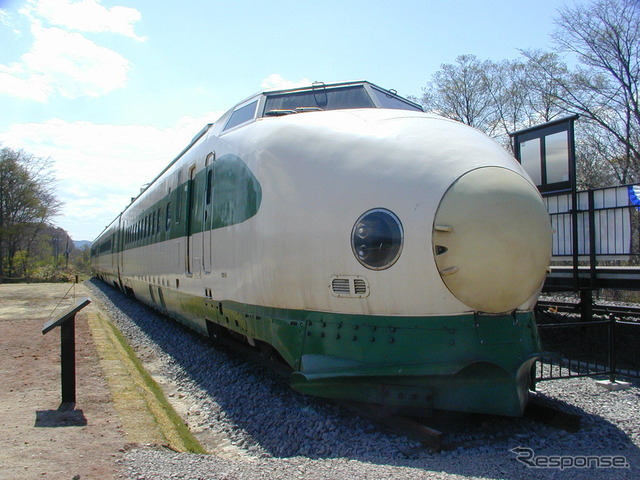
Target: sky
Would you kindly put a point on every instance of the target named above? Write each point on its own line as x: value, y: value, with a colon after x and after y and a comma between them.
x: 112, y: 90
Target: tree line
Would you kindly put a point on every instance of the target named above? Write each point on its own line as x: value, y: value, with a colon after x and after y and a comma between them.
x: 31, y: 247
x: 594, y: 72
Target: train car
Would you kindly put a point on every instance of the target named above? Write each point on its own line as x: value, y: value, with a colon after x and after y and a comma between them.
x: 103, y: 253
x: 388, y: 255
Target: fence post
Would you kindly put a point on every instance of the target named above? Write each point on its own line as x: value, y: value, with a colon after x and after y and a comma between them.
x: 575, y: 241
x: 592, y: 238
x: 612, y: 349
x: 586, y: 292
x: 586, y: 304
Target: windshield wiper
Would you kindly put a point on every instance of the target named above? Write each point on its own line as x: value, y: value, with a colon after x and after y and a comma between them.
x: 286, y: 111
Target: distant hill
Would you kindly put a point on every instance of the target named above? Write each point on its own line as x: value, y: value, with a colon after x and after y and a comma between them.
x: 81, y: 243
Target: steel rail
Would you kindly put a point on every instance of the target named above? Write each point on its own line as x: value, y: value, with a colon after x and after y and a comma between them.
x: 572, y: 307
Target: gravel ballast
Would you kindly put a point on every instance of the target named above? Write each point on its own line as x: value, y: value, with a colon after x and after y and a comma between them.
x: 257, y: 427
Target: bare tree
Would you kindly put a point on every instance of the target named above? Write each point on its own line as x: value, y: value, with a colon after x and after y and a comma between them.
x: 518, y: 103
x: 497, y: 98
x: 542, y: 91
x: 27, y: 203
x: 505, y: 83
x: 605, y: 38
x: 459, y: 91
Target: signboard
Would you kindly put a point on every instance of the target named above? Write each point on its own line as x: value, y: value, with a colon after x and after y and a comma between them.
x: 547, y: 154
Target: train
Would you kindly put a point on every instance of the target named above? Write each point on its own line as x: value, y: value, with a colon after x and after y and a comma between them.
x: 387, y: 255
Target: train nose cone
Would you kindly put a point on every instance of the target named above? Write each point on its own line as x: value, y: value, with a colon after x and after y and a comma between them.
x: 492, y: 240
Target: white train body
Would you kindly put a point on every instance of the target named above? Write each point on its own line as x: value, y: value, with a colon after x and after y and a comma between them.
x: 283, y: 240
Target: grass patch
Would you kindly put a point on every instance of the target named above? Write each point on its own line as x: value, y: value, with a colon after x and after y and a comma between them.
x: 167, y: 420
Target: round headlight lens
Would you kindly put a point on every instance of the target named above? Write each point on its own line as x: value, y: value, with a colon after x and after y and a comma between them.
x: 376, y: 239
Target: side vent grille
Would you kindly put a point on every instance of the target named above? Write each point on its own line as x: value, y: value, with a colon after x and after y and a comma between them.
x: 340, y: 286
x: 360, y: 286
x: 349, y: 286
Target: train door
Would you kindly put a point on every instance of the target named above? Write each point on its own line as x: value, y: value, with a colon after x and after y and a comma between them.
x: 120, y: 251
x: 113, y: 247
x: 207, y: 220
x: 193, y: 255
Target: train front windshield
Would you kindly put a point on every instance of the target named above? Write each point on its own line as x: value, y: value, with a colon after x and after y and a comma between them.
x: 331, y: 99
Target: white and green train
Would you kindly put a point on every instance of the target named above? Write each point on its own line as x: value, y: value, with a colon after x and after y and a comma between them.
x: 388, y: 255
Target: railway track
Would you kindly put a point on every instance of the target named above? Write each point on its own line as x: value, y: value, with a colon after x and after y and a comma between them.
x: 416, y: 428
x: 438, y: 432
x: 399, y: 424
x: 618, y: 311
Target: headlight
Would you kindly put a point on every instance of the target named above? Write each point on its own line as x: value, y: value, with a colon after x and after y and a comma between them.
x: 376, y: 239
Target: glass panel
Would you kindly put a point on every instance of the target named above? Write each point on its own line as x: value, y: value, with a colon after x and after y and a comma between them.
x: 531, y: 162
x: 389, y: 101
x: 557, y: 157
x: 325, y: 99
x: 242, y: 115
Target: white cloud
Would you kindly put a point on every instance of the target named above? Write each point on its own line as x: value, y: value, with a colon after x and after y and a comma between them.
x: 15, y: 82
x: 6, y: 21
x: 65, y: 62
x: 86, y: 16
x: 275, y: 81
x: 100, y: 167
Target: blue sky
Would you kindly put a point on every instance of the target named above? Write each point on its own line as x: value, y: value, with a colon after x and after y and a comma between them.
x: 112, y: 90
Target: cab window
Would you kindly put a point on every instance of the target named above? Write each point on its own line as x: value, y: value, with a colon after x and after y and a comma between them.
x: 241, y: 115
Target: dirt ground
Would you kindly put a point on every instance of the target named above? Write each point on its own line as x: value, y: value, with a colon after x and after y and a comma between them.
x: 37, y: 441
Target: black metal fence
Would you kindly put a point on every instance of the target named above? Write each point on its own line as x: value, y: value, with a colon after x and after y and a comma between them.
x: 592, y: 227
x: 606, y: 347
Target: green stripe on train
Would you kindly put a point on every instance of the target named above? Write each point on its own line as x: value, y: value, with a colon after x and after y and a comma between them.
x: 222, y: 194
x: 486, y: 358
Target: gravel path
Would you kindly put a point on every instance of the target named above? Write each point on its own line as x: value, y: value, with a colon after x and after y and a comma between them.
x: 258, y: 428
